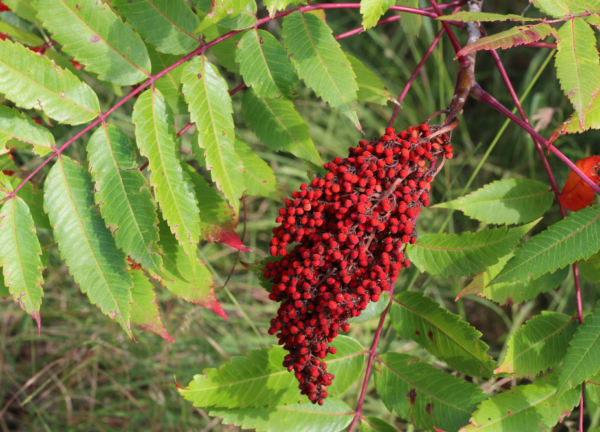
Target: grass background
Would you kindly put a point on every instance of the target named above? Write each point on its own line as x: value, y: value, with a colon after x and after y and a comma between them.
x: 83, y: 374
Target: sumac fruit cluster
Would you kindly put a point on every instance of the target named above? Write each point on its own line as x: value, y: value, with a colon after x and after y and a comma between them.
x: 350, y: 230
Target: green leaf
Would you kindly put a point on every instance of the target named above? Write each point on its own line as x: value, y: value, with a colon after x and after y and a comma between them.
x: 411, y: 23
x: 509, y: 201
x: 34, y: 198
x: 167, y: 24
x: 123, y: 196
x: 246, y: 18
x: 509, y: 38
x: 563, y: 8
x: 538, y: 345
x: 443, y: 334
x: 466, y: 253
x: 97, y: 38
x: 32, y: 81
x: 144, y: 309
x: 226, y: 50
x: 370, y: 87
x: 259, y: 378
x: 210, y: 108
x: 582, y: 360
x: 217, y: 220
x: 186, y: 276
x: 373, y: 310
x: 372, y: 10
x: 265, y: 66
x: 277, y: 124
x: 20, y: 257
x: 220, y: 9
x: 510, y: 293
x: 20, y: 35
x: 464, y: 16
x: 569, y: 240
x: 524, y: 408
x: 592, y: 120
x: 423, y: 395
x: 86, y: 245
x: 590, y: 269
x: 333, y: 416
x: 578, y: 65
x: 258, y: 176
x: 17, y: 125
x: 592, y: 389
x: 374, y: 424
x: 22, y: 8
x: 274, y: 6
x: 169, y: 84
x: 156, y: 139
x: 321, y: 63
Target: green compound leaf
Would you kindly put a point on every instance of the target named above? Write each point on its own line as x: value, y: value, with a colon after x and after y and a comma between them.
x: 123, y: 196
x: 20, y: 35
x: 169, y: 84
x: 246, y: 18
x: 464, y: 16
x: 221, y: 9
x: 524, y: 408
x: 443, y: 334
x: 572, y: 239
x: 374, y: 424
x: 274, y: 6
x: 186, y: 276
x: 210, y: 108
x: 277, y: 124
x: 507, y: 39
x: 217, y: 220
x: 590, y: 268
x: 259, y: 379
x: 17, y: 125
x: 156, y: 139
x: 510, y: 201
x: 538, y: 345
x: 333, y: 416
x: 22, y: 8
x: 466, y: 253
x: 144, y: 309
x: 372, y: 10
x: 225, y: 51
x: 373, y: 310
x: 321, y: 63
x: 563, y: 8
x: 258, y: 176
x: 582, y: 360
x: 97, y: 38
x: 578, y: 65
x: 510, y: 293
x: 265, y: 65
x: 32, y: 81
x: 370, y: 87
x: 20, y: 257
x: 86, y: 245
x: 167, y: 24
x: 423, y: 395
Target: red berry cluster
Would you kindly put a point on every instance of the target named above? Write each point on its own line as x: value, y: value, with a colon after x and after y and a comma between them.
x: 350, y: 228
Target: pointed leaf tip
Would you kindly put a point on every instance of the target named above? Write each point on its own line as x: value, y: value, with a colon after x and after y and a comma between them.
x: 216, y: 307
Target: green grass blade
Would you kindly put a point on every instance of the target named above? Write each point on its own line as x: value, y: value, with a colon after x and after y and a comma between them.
x: 156, y: 139
x: 443, y: 334
x: 423, y: 395
x: 32, y: 81
x: 466, y: 253
x: 97, y: 38
x: 210, y: 108
x: 572, y: 239
x: 167, y: 24
x: 509, y: 201
x: 321, y: 63
x: 123, y: 196
x: 279, y: 126
x: 538, y: 345
x: 86, y: 245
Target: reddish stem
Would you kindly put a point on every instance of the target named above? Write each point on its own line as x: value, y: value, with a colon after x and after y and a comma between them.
x: 414, y: 75
x: 463, y: 61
